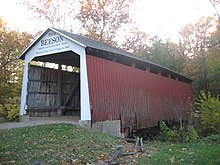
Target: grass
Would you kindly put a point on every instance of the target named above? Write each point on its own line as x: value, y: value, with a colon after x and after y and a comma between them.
x: 3, y: 120
x: 69, y: 144
x: 192, y: 153
x: 201, y: 152
x: 54, y: 144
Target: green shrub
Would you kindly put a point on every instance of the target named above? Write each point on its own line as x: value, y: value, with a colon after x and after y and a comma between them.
x: 180, y: 135
x: 212, y: 138
x: 13, y: 109
x: 3, y: 112
x: 209, y: 107
x: 191, y: 134
x: 167, y: 133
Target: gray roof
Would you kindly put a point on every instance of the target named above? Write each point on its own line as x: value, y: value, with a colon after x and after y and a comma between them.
x: 91, y: 43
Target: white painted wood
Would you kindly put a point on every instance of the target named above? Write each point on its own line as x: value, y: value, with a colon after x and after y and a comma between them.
x: 24, y: 89
x: 42, y: 35
x: 85, y: 102
x: 32, y: 44
x: 53, y: 43
x: 45, y: 47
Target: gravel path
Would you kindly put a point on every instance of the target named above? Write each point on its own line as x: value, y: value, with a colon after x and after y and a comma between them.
x: 40, y: 121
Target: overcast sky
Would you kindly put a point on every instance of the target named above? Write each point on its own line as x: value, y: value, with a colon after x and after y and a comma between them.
x: 157, y: 17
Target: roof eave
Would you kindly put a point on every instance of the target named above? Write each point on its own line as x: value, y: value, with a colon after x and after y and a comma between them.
x: 77, y: 42
x: 147, y: 62
x: 22, y: 56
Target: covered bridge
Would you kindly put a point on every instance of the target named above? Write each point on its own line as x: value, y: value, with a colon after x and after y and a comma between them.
x: 112, y: 88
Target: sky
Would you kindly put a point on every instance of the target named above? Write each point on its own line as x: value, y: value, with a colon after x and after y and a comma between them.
x: 18, y: 17
x: 156, y: 17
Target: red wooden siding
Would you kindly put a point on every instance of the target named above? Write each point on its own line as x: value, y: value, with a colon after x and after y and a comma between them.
x: 119, y: 91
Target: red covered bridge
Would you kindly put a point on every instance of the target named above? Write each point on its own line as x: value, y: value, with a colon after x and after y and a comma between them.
x: 114, y: 89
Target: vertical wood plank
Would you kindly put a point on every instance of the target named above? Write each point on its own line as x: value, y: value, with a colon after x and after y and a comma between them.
x: 59, y: 91
x: 24, y: 89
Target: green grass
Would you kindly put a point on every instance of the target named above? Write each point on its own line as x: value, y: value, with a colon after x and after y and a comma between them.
x: 192, y: 153
x: 54, y: 144
x: 3, y: 120
x: 187, y: 153
x: 69, y: 144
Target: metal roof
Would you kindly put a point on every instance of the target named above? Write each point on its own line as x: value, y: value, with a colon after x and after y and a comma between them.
x: 96, y: 45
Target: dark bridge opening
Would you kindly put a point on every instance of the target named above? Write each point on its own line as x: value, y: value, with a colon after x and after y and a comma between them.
x: 54, y: 85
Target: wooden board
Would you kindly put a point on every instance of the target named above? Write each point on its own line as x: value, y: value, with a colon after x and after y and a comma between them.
x: 43, y: 86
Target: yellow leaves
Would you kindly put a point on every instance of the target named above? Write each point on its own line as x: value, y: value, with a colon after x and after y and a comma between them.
x: 209, y: 107
x: 12, y: 43
x: 2, y: 23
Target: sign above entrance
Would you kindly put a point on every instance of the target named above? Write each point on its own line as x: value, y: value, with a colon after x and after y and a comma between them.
x: 52, y: 39
x: 51, y: 43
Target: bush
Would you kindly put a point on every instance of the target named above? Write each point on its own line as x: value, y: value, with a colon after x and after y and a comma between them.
x: 209, y: 108
x: 13, y: 109
x: 167, y: 133
x: 180, y: 135
x: 3, y: 112
x: 212, y: 138
x: 191, y: 134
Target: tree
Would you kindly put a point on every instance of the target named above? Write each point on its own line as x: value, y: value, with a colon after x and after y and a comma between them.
x: 101, y: 19
x: 57, y: 13
x: 213, y: 63
x: 209, y: 107
x: 215, y: 3
x: 195, y: 39
x: 97, y: 19
x: 11, y: 45
x: 213, y: 66
x: 167, y: 54
x: 135, y: 41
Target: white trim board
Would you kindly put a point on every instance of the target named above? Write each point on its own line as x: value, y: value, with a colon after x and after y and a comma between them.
x: 52, y: 42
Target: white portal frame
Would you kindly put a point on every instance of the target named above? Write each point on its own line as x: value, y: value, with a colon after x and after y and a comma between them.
x: 31, y: 52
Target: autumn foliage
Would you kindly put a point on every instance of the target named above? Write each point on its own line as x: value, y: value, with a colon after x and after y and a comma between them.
x: 11, y: 45
x: 209, y: 107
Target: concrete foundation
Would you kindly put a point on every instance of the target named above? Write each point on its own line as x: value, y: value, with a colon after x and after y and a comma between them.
x: 24, y: 118
x: 85, y: 123
x: 111, y: 127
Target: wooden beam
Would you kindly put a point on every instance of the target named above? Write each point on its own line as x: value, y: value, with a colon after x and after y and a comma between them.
x: 148, y: 69
x: 159, y: 72
x: 50, y: 93
x: 119, y: 150
x: 133, y: 64
x: 70, y: 108
x: 59, y: 90
x: 47, y: 81
x: 72, y: 91
x: 42, y: 109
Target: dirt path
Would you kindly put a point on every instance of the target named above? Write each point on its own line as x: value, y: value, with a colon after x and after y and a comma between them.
x: 40, y: 121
